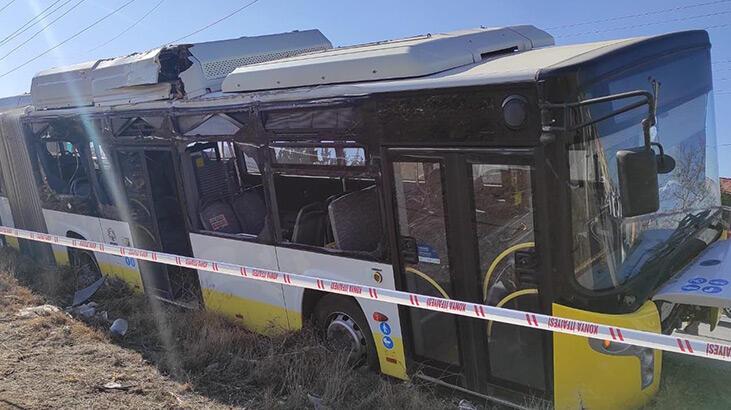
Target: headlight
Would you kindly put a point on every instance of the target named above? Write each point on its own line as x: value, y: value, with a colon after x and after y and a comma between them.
x: 645, y: 355
x: 647, y: 366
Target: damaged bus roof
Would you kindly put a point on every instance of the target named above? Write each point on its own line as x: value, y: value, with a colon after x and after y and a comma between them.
x: 504, y: 63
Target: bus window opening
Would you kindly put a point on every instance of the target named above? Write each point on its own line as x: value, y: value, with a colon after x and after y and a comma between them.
x: 332, y: 207
x: 230, y: 195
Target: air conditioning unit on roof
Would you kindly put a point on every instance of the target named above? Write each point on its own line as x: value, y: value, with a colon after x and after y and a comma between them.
x: 175, y: 71
x: 410, y: 57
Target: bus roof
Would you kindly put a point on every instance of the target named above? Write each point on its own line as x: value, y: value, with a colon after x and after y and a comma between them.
x: 513, y: 67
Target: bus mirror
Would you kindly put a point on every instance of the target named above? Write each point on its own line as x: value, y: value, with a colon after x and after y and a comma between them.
x: 638, y: 187
x: 665, y: 163
x: 409, y: 250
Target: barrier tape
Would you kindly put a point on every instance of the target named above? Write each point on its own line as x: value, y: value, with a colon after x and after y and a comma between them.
x: 692, y: 347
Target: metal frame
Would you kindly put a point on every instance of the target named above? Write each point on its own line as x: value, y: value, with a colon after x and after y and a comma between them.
x: 458, y: 204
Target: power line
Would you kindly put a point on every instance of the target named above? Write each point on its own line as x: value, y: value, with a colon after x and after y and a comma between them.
x: 133, y: 25
x: 717, y: 26
x: 29, y: 21
x: 78, y: 33
x: 41, y: 30
x: 645, y: 14
x: 719, y: 13
x: 35, y: 20
x: 233, y: 13
x: 7, y: 5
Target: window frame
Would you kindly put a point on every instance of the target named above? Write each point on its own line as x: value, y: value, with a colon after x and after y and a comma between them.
x: 381, y: 254
x: 193, y: 198
x: 80, y: 141
x: 280, y: 142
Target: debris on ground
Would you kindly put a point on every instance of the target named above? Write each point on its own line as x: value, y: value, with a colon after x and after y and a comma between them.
x: 119, y: 327
x: 36, y: 311
x: 169, y: 357
x: 116, y: 386
x: 83, y: 295
x: 87, y: 310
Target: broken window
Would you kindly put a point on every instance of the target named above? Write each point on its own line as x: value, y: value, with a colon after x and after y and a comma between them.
x: 230, y: 195
x: 333, y: 209
x: 63, y: 171
x: 326, y: 154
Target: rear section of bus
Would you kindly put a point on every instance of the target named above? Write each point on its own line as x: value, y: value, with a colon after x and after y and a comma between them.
x: 617, y: 260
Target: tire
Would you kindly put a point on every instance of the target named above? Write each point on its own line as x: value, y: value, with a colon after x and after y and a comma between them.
x: 333, y: 315
x: 86, y: 269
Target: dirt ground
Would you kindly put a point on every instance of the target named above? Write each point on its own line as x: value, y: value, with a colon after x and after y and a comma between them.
x: 169, y: 358
x: 53, y: 361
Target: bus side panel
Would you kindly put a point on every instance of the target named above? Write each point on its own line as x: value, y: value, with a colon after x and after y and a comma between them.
x: 257, y: 305
x: 390, y: 345
x: 126, y: 269
x: 6, y: 217
x: 586, y: 378
x: 61, y: 223
x: 90, y: 228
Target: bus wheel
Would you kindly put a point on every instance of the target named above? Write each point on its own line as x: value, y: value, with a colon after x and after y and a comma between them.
x: 86, y: 269
x: 346, y: 329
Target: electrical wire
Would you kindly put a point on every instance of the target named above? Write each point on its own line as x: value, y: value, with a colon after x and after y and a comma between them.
x: 133, y: 25
x: 680, y: 19
x: 7, y: 5
x: 226, y: 17
x: 37, y: 33
x: 78, y: 33
x: 645, y: 14
x: 28, y: 24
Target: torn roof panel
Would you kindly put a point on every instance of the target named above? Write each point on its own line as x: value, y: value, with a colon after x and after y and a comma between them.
x: 164, y: 73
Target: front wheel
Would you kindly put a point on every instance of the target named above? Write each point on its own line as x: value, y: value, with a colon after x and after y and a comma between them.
x: 346, y: 329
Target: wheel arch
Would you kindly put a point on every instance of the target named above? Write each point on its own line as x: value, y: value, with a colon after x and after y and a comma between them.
x: 310, y: 299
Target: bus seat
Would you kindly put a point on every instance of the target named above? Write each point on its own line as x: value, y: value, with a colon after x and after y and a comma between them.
x: 309, y: 227
x: 218, y: 216
x: 329, y: 237
x: 212, y: 178
x: 251, y: 211
x: 355, y: 220
x: 54, y: 181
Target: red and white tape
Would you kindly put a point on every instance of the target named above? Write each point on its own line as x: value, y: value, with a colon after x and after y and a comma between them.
x: 688, y: 346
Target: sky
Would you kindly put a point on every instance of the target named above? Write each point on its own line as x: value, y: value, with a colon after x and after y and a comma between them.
x: 344, y: 22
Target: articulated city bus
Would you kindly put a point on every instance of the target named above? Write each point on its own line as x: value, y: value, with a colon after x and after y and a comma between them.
x: 485, y: 165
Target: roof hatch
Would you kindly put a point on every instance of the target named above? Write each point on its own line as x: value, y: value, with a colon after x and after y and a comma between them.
x: 410, y: 57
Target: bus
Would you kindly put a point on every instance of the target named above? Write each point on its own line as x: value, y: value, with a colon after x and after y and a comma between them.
x: 6, y: 214
x: 485, y: 165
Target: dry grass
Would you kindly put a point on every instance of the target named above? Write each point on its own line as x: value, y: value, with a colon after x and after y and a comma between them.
x: 693, y: 382
x: 180, y: 358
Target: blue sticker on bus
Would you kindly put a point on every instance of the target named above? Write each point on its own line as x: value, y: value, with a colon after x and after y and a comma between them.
x: 712, y: 289
x: 698, y: 281
x: 385, y: 329
x: 129, y: 261
x: 690, y: 288
x: 387, y: 342
x: 427, y: 254
x: 718, y: 282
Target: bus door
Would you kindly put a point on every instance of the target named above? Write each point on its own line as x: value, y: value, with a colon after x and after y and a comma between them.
x: 466, y: 232
x: 157, y: 220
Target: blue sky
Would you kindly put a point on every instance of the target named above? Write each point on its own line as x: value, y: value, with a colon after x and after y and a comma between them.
x: 348, y: 22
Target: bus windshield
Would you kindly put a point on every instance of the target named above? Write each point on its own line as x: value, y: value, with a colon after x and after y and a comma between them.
x: 609, y: 249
